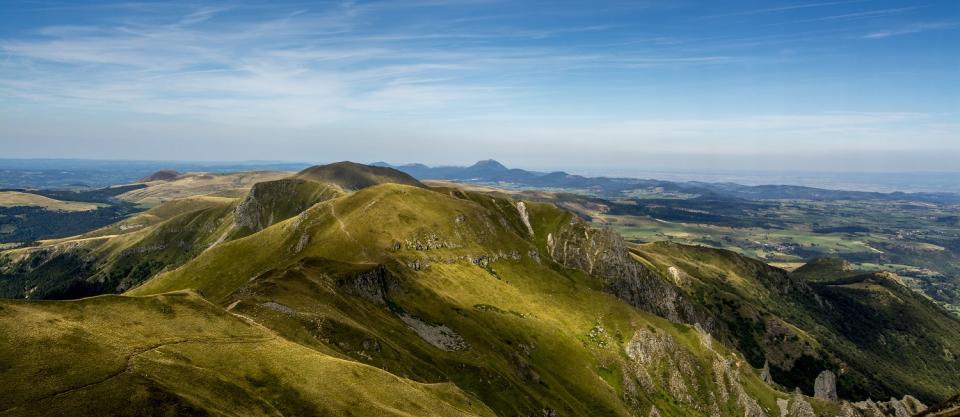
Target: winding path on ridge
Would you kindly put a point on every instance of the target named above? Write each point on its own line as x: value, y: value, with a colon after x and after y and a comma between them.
x: 129, y: 364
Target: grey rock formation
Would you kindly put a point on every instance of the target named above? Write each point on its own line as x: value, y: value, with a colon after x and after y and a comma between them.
x: 765, y: 374
x: 905, y: 407
x: 373, y: 284
x: 271, y: 202
x: 799, y: 407
x: 440, y: 336
x: 603, y: 253
x: 825, y: 386
x: 524, y: 216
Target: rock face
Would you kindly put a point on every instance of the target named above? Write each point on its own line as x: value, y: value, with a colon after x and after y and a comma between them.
x: 765, y: 375
x: 440, y: 336
x: 524, y: 216
x: 825, y: 386
x: 905, y: 407
x: 373, y: 285
x: 271, y: 202
x: 659, y: 361
x: 603, y: 253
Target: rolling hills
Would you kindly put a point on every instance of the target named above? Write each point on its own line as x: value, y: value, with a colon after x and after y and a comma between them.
x: 346, y: 289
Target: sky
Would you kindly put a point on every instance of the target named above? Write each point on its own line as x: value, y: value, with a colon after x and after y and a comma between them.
x: 598, y: 86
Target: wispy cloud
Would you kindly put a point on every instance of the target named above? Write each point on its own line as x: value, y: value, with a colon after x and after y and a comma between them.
x: 780, y: 9
x: 910, y: 29
x: 421, y: 75
x: 867, y: 14
x: 295, y: 67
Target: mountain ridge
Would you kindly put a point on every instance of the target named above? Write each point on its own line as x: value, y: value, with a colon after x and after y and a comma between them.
x: 616, y: 185
x: 517, y: 307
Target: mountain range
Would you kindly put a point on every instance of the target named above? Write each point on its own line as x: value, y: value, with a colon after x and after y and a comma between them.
x: 491, y: 171
x: 348, y: 289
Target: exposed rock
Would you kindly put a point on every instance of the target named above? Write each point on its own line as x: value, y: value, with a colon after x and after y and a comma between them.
x: 524, y: 216
x: 373, y: 284
x: 439, y: 336
x: 906, y: 407
x: 765, y: 375
x: 948, y: 408
x: 706, y: 340
x: 270, y: 202
x: 371, y: 345
x: 603, y: 253
x: 654, y: 412
x: 825, y: 386
x: 648, y: 349
x: 799, y: 407
x: 280, y: 308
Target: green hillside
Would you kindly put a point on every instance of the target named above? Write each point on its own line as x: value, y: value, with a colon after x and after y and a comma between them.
x: 803, y: 323
x: 352, y: 176
x: 177, y: 354
x: 402, y: 300
x: 117, y: 257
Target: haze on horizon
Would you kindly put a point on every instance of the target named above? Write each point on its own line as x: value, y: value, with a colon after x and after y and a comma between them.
x: 854, y: 85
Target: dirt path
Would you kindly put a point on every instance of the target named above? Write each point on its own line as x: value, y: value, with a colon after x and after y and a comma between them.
x: 132, y: 356
x: 343, y: 228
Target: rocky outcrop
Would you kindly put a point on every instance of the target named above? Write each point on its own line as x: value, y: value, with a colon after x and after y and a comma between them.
x: 659, y: 361
x: 797, y: 406
x: 604, y: 254
x: 948, y: 408
x: 271, y: 202
x: 905, y: 407
x: 438, y: 335
x: 765, y: 375
x: 373, y: 285
x: 825, y: 386
x: 524, y: 216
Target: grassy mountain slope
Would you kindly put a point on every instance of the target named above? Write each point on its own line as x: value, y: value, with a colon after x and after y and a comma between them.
x: 849, y: 325
x: 452, y: 287
x: 119, y: 256
x: 459, y: 303
x: 353, y: 176
x: 16, y: 198
x: 273, y: 201
x: 176, y: 354
x: 193, y: 184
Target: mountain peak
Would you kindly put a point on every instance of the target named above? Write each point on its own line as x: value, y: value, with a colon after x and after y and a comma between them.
x: 489, y: 164
x: 353, y: 176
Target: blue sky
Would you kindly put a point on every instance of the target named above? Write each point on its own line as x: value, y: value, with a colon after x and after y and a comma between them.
x: 593, y: 86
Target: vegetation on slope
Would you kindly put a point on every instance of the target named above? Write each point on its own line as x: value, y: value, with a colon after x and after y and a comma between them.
x: 176, y: 354
x: 459, y: 303
x: 452, y: 287
x: 353, y: 176
x: 804, y: 323
x: 19, y: 199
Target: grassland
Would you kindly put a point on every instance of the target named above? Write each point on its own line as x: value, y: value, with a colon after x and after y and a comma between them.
x: 176, y: 354
x: 193, y: 184
x: 402, y: 300
x: 17, y: 199
x: 522, y: 321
